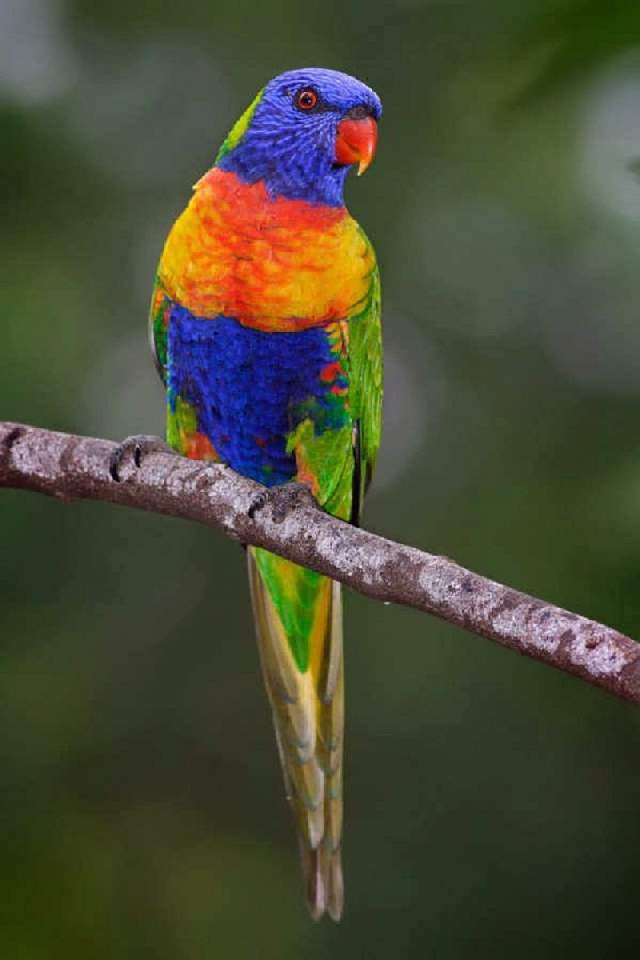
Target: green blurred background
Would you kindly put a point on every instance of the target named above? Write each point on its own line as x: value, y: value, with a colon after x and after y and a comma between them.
x: 493, y: 805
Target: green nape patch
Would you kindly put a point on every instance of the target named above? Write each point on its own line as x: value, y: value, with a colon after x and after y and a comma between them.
x: 239, y: 129
x: 295, y: 593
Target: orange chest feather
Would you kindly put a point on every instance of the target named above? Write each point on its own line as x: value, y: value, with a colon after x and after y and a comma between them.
x: 274, y: 265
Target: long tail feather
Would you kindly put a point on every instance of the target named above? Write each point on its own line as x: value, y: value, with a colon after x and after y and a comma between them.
x: 308, y: 716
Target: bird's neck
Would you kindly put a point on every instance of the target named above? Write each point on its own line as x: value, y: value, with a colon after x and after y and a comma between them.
x: 251, y: 207
x: 291, y: 174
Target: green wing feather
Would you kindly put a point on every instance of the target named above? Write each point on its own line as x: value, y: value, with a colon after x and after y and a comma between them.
x: 365, y: 353
x: 158, y: 327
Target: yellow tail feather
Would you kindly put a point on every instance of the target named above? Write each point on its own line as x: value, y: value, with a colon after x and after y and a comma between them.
x: 308, y: 716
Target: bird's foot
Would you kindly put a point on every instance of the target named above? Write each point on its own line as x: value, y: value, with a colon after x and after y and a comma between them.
x: 291, y: 495
x: 282, y: 499
x: 136, y: 448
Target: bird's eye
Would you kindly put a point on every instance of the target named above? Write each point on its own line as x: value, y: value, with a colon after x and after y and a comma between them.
x: 306, y: 99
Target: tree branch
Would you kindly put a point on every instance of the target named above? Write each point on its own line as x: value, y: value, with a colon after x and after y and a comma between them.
x: 287, y: 521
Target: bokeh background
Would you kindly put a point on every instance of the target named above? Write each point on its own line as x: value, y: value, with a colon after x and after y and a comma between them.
x: 493, y: 805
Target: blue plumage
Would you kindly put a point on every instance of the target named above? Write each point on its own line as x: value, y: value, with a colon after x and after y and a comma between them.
x: 250, y: 388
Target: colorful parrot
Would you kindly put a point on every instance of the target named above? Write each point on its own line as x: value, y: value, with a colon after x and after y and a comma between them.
x: 265, y: 326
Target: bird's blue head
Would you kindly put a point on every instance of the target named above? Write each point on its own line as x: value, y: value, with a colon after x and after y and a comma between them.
x: 302, y: 133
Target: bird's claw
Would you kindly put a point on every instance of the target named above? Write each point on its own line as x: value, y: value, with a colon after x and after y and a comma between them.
x: 287, y: 496
x: 256, y: 505
x: 136, y: 448
x: 282, y: 499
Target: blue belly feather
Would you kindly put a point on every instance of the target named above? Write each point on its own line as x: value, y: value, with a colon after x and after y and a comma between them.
x: 251, y: 388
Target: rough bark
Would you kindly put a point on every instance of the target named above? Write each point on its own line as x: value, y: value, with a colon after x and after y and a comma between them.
x: 287, y: 521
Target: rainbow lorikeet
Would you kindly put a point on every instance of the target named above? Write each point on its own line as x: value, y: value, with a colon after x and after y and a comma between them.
x: 265, y: 324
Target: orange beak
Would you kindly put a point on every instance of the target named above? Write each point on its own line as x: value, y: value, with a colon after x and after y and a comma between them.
x: 356, y: 142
